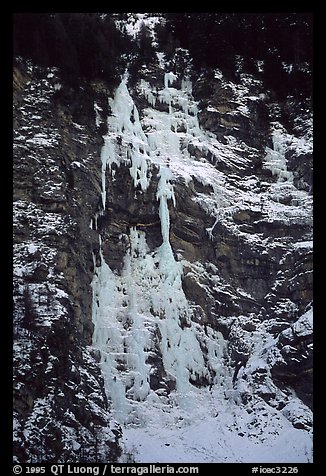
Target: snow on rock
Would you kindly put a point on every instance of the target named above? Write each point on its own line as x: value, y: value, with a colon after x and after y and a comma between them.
x: 173, y: 383
x: 135, y: 21
x: 216, y: 433
x: 208, y: 308
x: 124, y: 123
x: 55, y: 373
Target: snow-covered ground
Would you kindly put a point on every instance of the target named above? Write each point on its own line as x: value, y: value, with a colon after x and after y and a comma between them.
x: 215, y: 430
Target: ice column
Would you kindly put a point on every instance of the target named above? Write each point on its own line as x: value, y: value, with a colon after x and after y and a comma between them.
x: 107, y: 157
x: 275, y: 159
x: 165, y: 193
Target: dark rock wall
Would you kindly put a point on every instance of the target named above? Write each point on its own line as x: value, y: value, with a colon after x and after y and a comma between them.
x: 59, y: 401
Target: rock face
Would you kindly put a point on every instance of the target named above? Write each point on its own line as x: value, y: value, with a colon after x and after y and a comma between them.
x: 61, y: 409
x: 163, y: 271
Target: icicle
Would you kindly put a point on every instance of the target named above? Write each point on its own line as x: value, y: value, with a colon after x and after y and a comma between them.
x: 275, y: 160
x: 169, y: 78
x: 98, y: 119
x: 186, y: 85
x: 165, y: 193
x: 145, y: 89
x: 125, y: 122
x: 104, y: 165
x: 108, y: 157
x: 210, y: 230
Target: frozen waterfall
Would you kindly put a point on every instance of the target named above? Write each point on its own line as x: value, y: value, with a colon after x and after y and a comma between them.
x: 166, y: 374
x: 131, y: 310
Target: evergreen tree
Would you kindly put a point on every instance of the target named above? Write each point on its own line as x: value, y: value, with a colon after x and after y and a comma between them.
x: 79, y: 44
x: 215, y: 40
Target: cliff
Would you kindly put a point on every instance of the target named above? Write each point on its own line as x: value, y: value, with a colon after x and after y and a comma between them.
x: 162, y: 269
